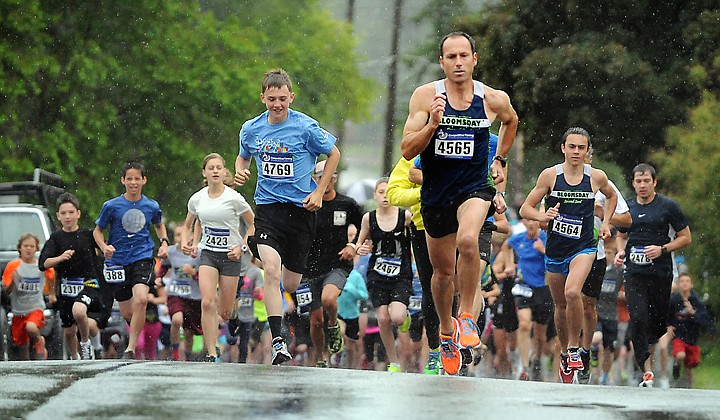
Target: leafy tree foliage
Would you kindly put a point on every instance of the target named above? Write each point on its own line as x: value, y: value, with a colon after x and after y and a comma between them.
x: 688, y: 169
x: 87, y: 86
x: 620, y: 69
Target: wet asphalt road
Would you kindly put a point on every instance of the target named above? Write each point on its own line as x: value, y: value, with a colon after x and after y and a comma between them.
x: 113, y: 388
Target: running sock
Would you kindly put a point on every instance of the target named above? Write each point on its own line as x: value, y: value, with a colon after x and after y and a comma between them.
x: 436, y: 349
x: 85, y: 343
x: 175, y: 346
x: 95, y: 340
x: 275, y: 326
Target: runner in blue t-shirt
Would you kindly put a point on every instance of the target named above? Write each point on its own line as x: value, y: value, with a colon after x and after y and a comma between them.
x: 532, y: 295
x: 285, y: 145
x: 129, y: 250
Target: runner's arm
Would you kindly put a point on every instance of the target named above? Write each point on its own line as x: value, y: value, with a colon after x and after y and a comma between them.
x: 400, y: 191
x: 682, y: 239
x: 161, y: 232
x: 313, y: 202
x: 502, y: 223
x: 542, y: 187
x: 621, y: 240
x: 425, y: 112
x: 611, y: 200
x: 107, y: 250
x: 365, y: 244
x: 242, y: 170
x: 249, y: 218
x: 499, y: 102
x: 186, y: 246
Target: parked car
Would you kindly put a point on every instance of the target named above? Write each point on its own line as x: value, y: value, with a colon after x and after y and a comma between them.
x: 25, y: 206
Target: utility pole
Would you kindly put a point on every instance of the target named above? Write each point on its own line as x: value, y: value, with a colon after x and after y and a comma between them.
x: 342, y: 129
x: 392, y: 88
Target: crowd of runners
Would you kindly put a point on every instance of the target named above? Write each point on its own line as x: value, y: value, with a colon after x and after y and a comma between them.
x: 441, y: 277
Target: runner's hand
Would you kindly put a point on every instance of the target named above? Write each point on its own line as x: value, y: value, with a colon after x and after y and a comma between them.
x: 108, y: 251
x: 620, y: 258
x: 552, y: 212
x: 313, y: 202
x: 162, y: 251
x: 242, y: 177
x: 496, y: 170
x: 437, y: 108
x: 347, y: 253
x: 365, y: 248
x: 689, y: 307
x: 235, y: 253
x: 605, y: 232
x: 499, y: 202
x: 539, y: 246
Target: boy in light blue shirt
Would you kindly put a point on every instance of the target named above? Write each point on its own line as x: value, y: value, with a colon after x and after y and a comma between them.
x: 285, y: 145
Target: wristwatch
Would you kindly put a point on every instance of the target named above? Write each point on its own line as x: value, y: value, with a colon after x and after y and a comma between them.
x: 500, y: 193
x: 503, y: 161
x: 166, y: 240
x: 664, y: 249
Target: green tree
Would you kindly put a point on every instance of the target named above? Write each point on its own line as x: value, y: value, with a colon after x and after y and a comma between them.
x: 84, y: 88
x: 688, y: 171
x: 618, y: 68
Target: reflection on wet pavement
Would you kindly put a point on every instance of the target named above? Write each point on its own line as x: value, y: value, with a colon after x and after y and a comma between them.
x: 108, y: 388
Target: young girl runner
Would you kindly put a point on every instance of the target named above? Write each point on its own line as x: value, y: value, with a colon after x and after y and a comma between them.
x: 219, y: 209
x: 389, y: 276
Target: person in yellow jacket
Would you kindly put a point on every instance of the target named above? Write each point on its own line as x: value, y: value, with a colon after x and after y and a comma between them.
x: 404, y: 193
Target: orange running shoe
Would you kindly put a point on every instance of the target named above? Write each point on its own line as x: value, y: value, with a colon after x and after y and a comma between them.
x: 449, y: 351
x: 648, y: 380
x: 469, y: 337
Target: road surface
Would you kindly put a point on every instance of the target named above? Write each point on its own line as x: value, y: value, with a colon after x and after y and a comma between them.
x: 130, y: 389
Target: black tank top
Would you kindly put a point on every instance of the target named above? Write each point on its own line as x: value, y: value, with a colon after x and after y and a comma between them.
x: 390, y: 260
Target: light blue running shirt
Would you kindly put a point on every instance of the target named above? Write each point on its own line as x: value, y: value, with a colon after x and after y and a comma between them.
x: 285, y: 155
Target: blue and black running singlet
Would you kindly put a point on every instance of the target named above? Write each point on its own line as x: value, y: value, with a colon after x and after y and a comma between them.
x: 455, y: 163
x: 573, y: 230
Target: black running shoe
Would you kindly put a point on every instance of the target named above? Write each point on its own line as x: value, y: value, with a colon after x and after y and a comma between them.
x: 583, y: 375
x: 233, y: 325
